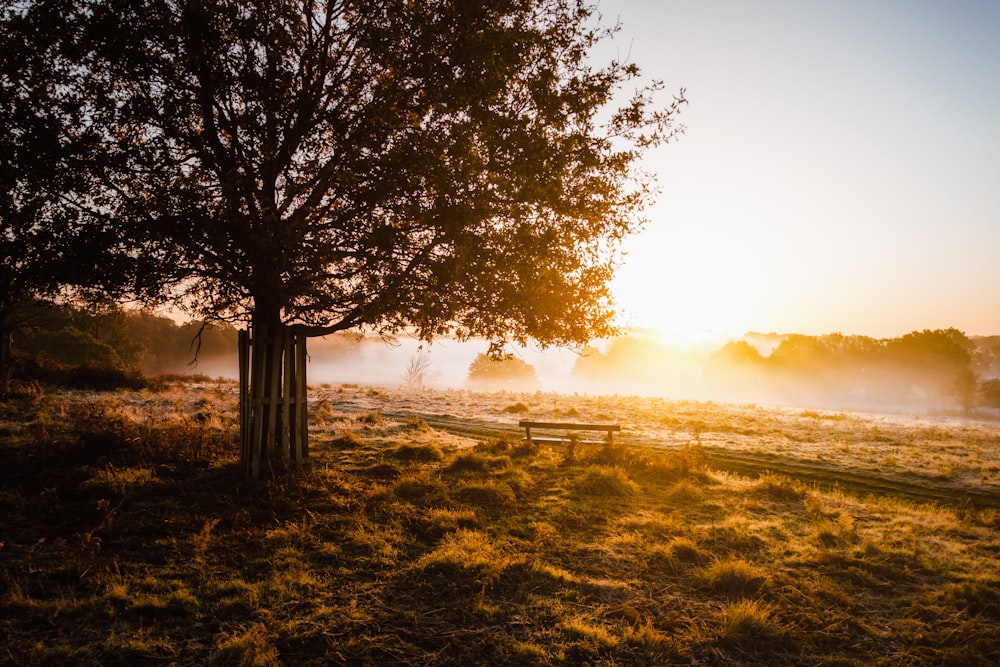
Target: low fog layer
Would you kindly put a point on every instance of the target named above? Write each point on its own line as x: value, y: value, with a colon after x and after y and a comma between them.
x: 934, y: 370
x: 938, y: 370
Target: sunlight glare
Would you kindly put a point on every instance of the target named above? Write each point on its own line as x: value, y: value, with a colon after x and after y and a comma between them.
x: 690, y: 293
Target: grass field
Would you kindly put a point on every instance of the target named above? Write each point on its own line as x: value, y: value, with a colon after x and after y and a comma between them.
x: 427, y: 533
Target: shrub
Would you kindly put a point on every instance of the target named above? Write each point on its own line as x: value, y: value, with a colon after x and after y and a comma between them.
x: 507, y: 373
x: 989, y: 393
x: 92, y: 375
x: 100, y: 377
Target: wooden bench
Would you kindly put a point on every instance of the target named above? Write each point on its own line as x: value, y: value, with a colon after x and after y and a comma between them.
x: 528, y: 425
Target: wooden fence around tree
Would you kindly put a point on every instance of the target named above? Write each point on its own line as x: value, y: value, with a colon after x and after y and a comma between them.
x: 273, y: 401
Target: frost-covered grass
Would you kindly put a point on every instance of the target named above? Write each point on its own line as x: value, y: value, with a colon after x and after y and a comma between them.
x: 130, y: 537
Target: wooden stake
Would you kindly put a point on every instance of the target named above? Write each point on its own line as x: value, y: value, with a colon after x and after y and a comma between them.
x: 274, y: 354
x: 257, y: 390
x: 302, y: 427
x: 286, y: 394
x: 244, y: 348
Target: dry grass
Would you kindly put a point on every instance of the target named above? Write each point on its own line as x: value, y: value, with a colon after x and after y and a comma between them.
x: 129, y: 537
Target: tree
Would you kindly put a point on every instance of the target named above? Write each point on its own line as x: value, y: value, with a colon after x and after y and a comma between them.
x: 938, y: 361
x: 57, y: 247
x: 418, y: 369
x: 444, y: 167
x: 22, y: 280
x: 75, y: 336
x: 989, y: 392
x: 635, y: 358
x: 507, y: 372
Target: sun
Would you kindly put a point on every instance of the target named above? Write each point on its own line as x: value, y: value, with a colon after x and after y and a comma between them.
x: 689, y: 294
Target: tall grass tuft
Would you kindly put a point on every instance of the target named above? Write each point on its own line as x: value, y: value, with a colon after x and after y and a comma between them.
x: 347, y: 440
x: 654, y: 646
x: 780, y: 488
x: 733, y: 577
x: 599, y: 480
x: 476, y: 462
x: 466, y: 559
x: 372, y: 418
x: 686, y: 550
x: 249, y: 646
x: 490, y: 495
x: 835, y: 532
x: 419, y: 490
x: 417, y: 453
x: 751, y: 625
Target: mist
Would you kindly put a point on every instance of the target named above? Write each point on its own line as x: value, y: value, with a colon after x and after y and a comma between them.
x: 930, y: 371
x: 941, y: 371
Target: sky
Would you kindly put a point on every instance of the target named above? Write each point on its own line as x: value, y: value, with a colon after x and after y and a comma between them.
x: 840, y: 169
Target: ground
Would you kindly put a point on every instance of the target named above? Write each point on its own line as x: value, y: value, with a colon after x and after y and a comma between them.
x: 426, y: 532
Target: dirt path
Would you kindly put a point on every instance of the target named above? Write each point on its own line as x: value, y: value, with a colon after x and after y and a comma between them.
x: 751, y: 464
x: 854, y: 481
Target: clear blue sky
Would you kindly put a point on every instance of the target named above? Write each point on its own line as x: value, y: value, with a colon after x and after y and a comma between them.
x: 840, y: 171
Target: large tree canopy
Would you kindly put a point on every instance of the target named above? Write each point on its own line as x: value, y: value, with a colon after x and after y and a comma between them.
x: 445, y: 167
x: 453, y: 167
x: 49, y: 246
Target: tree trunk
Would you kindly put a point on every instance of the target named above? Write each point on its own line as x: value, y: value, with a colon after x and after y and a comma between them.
x: 273, y: 408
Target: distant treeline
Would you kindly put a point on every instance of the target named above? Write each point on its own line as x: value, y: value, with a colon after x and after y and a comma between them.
x: 930, y: 367
x: 941, y: 367
x: 116, y: 338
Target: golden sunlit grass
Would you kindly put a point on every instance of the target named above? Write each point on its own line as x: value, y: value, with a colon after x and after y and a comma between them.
x: 423, y: 535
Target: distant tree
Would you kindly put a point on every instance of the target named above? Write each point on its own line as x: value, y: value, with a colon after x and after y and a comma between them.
x: 986, y: 355
x: 74, y: 335
x: 632, y: 358
x: 800, y: 354
x: 507, y: 372
x: 737, y: 352
x: 446, y: 167
x: 418, y: 369
x: 939, y: 361
x: 166, y: 346
x: 940, y: 348
x: 965, y: 387
x: 989, y: 392
x: 736, y: 365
